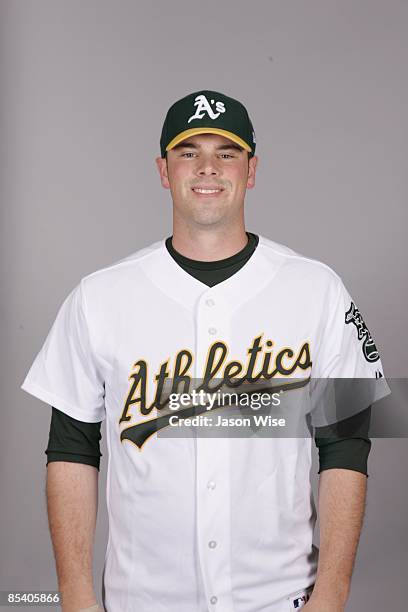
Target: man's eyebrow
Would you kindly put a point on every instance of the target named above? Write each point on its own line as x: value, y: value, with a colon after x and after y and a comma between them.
x: 190, y: 145
x: 230, y: 146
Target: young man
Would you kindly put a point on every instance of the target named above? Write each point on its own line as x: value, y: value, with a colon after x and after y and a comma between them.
x: 201, y: 523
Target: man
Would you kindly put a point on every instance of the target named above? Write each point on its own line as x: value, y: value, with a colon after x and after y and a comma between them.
x: 203, y: 523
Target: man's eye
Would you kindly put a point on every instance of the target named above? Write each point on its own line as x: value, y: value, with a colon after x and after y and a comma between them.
x: 224, y: 155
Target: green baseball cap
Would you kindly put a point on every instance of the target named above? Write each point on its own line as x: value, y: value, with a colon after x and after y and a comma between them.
x: 207, y: 112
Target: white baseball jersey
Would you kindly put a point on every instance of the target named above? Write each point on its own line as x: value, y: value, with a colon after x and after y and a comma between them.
x: 201, y: 524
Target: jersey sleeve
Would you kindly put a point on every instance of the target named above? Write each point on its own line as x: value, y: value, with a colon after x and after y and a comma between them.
x: 348, y: 357
x: 65, y: 372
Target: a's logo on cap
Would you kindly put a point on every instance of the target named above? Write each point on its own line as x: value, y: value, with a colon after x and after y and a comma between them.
x: 204, y: 106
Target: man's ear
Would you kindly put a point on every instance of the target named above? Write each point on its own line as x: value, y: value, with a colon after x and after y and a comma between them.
x: 161, y: 163
x: 252, y: 164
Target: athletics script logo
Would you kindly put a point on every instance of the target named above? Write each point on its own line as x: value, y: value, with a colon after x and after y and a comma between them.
x: 204, y: 106
x: 353, y: 315
x: 263, y: 363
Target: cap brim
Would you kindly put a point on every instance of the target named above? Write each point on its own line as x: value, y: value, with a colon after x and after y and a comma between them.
x: 194, y: 131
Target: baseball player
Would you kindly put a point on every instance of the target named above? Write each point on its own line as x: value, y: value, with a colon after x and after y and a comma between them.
x: 203, y: 523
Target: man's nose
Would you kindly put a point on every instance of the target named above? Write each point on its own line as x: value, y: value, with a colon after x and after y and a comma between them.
x: 207, y: 166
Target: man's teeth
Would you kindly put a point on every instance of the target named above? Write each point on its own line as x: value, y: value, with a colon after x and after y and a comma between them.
x: 207, y: 190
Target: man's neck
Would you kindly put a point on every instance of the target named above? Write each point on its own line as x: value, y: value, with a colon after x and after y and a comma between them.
x: 208, y: 245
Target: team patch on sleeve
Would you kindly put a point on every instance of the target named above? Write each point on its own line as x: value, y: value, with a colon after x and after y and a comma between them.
x: 369, y: 349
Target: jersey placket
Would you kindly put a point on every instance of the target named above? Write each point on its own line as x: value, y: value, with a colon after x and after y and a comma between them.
x: 213, y: 469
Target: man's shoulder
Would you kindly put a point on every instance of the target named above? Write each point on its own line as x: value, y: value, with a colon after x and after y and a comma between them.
x: 297, y: 262
x: 124, y: 268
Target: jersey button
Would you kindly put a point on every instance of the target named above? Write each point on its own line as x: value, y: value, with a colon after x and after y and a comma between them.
x: 212, y: 330
x: 213, y: 600
x: 211, y: 485
x: 210, y: 302
x: 212, y: 544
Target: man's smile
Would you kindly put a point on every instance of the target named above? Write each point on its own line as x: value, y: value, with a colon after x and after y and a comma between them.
x: 207, y: 191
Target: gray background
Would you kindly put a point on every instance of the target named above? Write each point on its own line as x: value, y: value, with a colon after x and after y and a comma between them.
x: 85, y: 86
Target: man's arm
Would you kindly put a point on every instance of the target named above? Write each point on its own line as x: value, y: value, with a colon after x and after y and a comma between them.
x: 72, y: 501
x: 341, y: 504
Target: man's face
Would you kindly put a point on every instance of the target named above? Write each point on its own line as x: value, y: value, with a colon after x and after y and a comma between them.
x: 207, y: 162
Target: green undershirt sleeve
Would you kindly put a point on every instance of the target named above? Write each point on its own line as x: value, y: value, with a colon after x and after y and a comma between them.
x: 345, y: 444
x: 73, y: 440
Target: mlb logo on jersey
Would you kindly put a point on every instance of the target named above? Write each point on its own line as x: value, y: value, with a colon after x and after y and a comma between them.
x: 298, y: 600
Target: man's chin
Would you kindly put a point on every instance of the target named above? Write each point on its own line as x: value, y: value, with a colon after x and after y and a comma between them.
x: 204, y: 213
x: 208, y: 222
x: 209, y: 216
